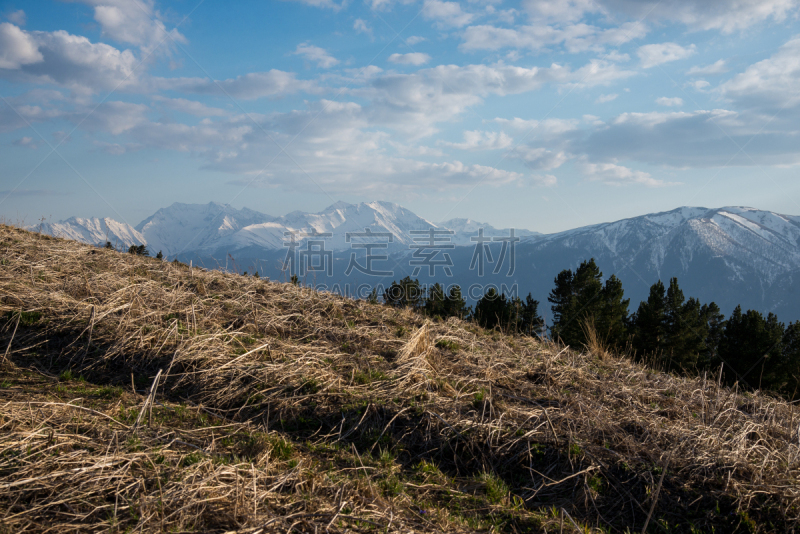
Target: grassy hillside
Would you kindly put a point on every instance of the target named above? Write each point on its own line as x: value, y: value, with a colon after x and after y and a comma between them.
x: 281, y: 409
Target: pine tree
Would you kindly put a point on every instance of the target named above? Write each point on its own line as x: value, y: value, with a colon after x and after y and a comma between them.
x: 531, y: 323
x: 435, y: 303
x: 685, y: 330
x: 159, y: 256
x: 715, y: 323
x: 611, y: 321
x: 751, y: 347
x: 455, y: 305
x: 649, y: 322
x: 791, y: 361
x: 373, y: 296
x: 493, y: 310
x: 514, y: 312
x: 576, y: 299
x: 406, y: 293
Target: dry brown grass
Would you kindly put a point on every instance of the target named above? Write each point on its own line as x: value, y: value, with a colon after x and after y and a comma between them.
x: 305, y: 411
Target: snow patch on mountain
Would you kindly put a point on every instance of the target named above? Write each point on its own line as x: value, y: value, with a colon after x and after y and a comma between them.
x: 190, y: 227
x: 93, y: 231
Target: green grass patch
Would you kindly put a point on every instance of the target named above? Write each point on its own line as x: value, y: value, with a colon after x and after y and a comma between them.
x: 496, y: 489
x: 366, y: 377
x: 448, y: 344
x: 25, y: 318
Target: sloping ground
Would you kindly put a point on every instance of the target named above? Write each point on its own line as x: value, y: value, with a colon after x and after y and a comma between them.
x: 280, y: 409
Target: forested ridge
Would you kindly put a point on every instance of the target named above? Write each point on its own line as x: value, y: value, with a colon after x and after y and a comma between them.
x: 668, y: 330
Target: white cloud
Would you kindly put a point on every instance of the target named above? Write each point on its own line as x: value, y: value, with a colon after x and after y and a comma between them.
x: 543, y: 180
x: 612, y: 174
x: 540, y: 129
x: 722, y: 15
x: 602, y: 99
x: 113, y: 117
x: 560, y: 10
x: 456, y: 173
x: 134, y: 22
x: 414, y: 103
x: 361, y: 26
x: 614, y: 55
x: 191, y: 107
x: 22, y: 115
x: 672, y: 102
x: 26, y: 142
x: 412, y: 58
x: 117, y: 149
x: 327, y: 4
x: 446, y: 14
x: 771, y: 84
x: 698, y: 85
x: 271, y: 84
x: 539, y: 158
x: 363, y: 74
x: 598, y: 72
x: 18, y: 17
x: 340, y: 149
x: 575, y: 37
x: 414, y: 39
x: 506, y: 16
x: 75, y: 62
x: 416, y: 150
x: 652, y: 55
x: 718, y: 67
x: 17, y: 47
x: 698, y: 139
x: 316, y: 54
x: 379, y: 4
x: 479, y: 140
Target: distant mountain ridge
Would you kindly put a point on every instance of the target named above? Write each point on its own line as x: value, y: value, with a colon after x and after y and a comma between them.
x: 730, y: 255
x: 182, y: 228
x: 93, y: 231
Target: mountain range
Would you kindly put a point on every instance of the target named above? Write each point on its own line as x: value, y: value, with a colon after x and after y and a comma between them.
x: 730, y: 255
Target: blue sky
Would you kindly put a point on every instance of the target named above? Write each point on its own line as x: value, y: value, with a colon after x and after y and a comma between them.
x: 538, y: 114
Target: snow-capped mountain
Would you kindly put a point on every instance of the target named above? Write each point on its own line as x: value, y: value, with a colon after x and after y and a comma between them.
x: 742, y: 238
x: 189, y: 227
x: 466, y: 229
x: 338, y: 220
x: 94, y: 231
x: 731, y: 255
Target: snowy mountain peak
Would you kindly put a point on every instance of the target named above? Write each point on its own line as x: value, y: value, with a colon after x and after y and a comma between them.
x: 184, y: 227
x: 94, y: 231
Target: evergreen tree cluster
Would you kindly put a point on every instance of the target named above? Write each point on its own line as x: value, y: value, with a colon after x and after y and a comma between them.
x: 681, y: 334
x: 678, y: 334
x: 408, y: 293
x: 139, y: 250
x: 493, y: 310
x: 511, y: 314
